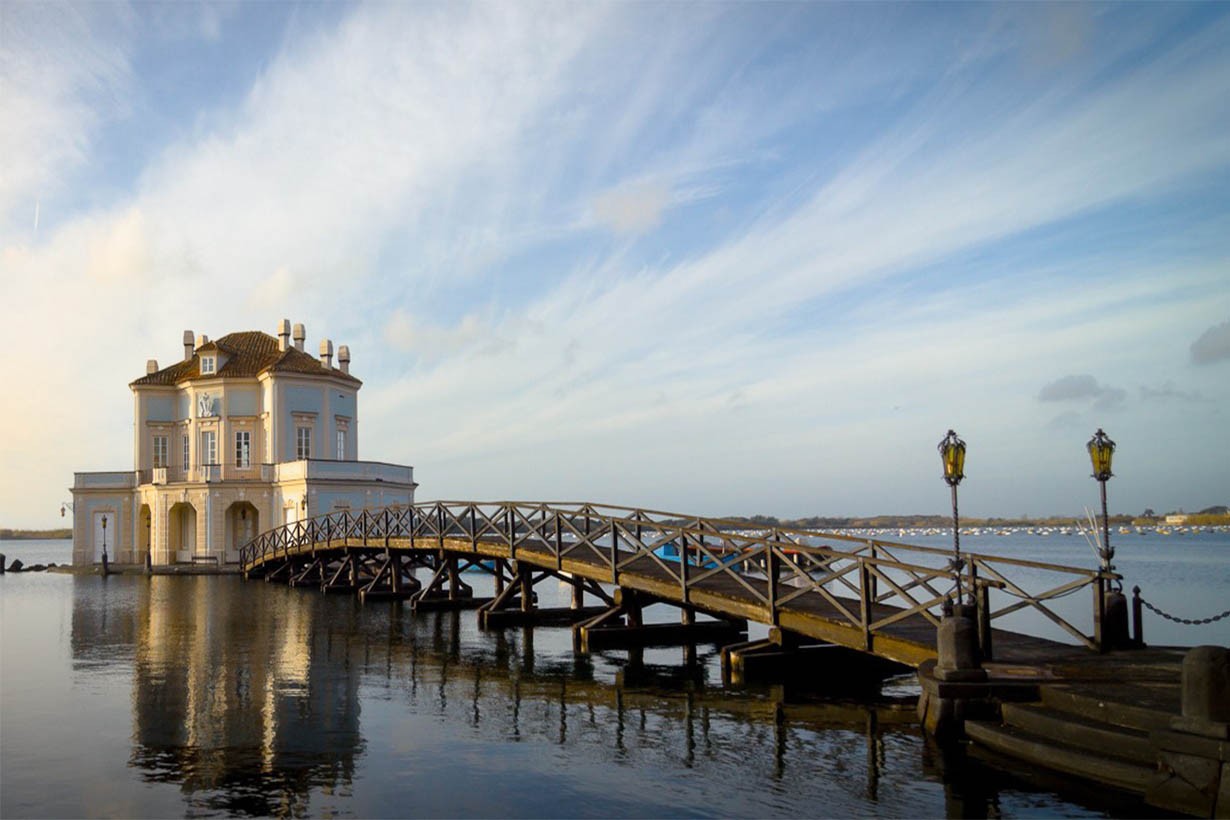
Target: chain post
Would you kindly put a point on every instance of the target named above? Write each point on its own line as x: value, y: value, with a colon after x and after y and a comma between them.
x: 1138, y: 635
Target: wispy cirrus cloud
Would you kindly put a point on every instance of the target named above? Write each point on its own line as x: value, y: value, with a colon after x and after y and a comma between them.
x: 684, y: 242
x: 64, y: 71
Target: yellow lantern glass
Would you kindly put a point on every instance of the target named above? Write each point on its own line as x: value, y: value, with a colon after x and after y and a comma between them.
x: 1101, y: 451
x: 952, y: 454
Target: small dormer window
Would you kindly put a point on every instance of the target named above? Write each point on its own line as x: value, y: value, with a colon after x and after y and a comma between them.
x: 209, y: 364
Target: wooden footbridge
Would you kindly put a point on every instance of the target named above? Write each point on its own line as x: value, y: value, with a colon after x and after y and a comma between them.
x: 854, y: 607
x: 878, y: 597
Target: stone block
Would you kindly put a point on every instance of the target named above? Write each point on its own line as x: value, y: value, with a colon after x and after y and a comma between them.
x: 1206, y: 693
x: 957, y: 647
x: 1185, y: 783
x: 1222, y: 809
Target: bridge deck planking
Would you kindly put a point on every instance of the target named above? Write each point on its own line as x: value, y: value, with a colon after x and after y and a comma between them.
x: 910, y: 640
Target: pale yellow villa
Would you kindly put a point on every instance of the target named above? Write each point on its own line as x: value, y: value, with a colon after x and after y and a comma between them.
x: 245, y: 433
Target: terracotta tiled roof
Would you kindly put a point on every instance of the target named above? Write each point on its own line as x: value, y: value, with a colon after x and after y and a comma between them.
x: 248, y: 353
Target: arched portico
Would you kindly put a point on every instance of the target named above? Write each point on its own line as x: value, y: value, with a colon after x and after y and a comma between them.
x: 181, y: 531
x: 242, y: 524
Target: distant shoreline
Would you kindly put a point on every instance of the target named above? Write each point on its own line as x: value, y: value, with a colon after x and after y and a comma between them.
x: 36, y: 535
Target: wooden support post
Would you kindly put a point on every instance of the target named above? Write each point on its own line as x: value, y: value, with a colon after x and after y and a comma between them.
x: 526, y: 573
x: 578, y: 592
x: 864, y: 601
x: 875, y: 580
x: 454, y: 580
x: 394, y: 565
x: 512, y: 535
x: 983, y: 602
x: 499, y: 566
x: 684, y: 563
x: 559, y: 543
x: 633, y: 607
x: 772, y: 569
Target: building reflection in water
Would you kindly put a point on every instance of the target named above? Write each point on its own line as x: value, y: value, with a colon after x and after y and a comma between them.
x: 248, y: 697
x: 241, y: 697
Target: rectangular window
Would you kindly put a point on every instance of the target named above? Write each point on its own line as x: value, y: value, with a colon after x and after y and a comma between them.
x: 207, y: 365
x: 187, y: 454
x: 243, y: 449
x: 160, y: 451
x: 303, y: 442
x: 341, y: 445
x: 209, y: 447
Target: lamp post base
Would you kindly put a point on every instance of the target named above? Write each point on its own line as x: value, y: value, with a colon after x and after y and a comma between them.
x: 1111, y: 624
x: 957, y: 646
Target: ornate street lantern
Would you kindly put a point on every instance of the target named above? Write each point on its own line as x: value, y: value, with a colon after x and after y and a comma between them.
x: 952, y: 455
x: 1101, y: 451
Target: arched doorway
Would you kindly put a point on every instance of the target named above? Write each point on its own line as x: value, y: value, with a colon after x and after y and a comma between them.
x: 181, y: 531
x: 242, y: 525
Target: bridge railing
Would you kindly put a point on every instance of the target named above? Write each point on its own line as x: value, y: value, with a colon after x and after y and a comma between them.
x: 867, y: 583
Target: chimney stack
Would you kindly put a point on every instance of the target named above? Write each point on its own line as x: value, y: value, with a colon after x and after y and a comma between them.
x: 283, y: 335
x: 326, y: 354
x: 188, y: 345
x: 300, y: 336
x: 202, y: 340
x: 343, y: 358
x: 151, y: 366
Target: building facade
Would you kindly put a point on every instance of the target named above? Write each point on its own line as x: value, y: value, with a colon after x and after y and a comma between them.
x: 243, y: 434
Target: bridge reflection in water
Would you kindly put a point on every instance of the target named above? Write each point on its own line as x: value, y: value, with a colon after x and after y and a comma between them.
x: 261, y: 700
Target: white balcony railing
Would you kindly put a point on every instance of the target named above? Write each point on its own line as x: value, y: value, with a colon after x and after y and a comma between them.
x: 116, y: 479
x: 345, y: 471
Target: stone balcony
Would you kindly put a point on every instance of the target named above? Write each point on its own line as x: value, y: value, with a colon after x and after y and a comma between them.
x: 324, y: 470
x: 105, y: 480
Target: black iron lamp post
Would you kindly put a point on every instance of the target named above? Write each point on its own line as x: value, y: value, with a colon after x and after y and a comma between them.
x: 1111, y: 624
x: 952, y: 454
x: 1101, y: 451
x: 104, y: 526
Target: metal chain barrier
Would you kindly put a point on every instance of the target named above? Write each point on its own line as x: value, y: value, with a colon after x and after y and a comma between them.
x: 1188, y: 621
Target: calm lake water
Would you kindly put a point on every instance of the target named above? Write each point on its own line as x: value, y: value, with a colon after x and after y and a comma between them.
x: 202, y: 696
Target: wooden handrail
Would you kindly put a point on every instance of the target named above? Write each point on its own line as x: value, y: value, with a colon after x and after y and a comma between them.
x: 759, y: 559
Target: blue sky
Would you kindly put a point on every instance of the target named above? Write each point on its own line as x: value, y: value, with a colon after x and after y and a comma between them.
x: 720, y: 259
